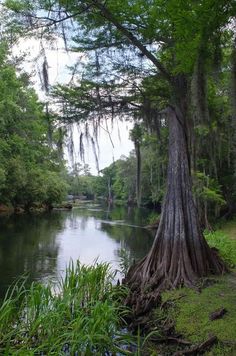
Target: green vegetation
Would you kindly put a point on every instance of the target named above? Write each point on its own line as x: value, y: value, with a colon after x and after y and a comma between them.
x: 169, y: 66
x: 84, y: 312
x: 80, y: 315
x: 153, y: 218
x: 226, y: 246
x: 191, y: 310
x: 81, y: 183
x: 228, y: 228
x: 30, y: 168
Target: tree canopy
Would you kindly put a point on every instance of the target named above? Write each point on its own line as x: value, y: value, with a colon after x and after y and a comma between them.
x: 30, y: 169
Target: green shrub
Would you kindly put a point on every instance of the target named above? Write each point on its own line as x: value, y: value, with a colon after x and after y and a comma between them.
x: 153, y: 218
x: 226, y: 246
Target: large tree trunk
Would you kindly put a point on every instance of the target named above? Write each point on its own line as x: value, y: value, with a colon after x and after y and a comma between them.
x: 180, y: 254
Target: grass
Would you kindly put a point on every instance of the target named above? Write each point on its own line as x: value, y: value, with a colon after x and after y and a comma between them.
x: 190, y: 309
x: 229, y: 228
x: 226, y: 246
x: 82, y: 318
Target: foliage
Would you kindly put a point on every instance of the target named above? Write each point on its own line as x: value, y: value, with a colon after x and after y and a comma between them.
x: 30, y: 170
x: 83, y: 315
x: 226, y: 246
x: 122, y: 174
x: 192, y: 40
x: 153, y: 218
x: 207, y: 189
x: 125, y: 261
x: 81, y: 183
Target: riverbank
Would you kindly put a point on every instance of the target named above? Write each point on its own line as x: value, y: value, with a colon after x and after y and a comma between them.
x: 62, y: 317
x: 202, y: 320
x: 34, y: 208
x: 81, y: 315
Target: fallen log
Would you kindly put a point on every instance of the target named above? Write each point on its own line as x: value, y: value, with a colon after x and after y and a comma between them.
x: 200, y: 348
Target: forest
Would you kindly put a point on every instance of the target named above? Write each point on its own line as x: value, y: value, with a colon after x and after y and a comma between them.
x: 169, y: 68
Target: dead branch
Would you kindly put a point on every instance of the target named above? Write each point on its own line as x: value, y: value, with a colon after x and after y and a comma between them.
x: 198, y: 348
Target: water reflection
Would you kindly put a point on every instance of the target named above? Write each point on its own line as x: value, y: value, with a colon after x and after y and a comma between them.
x: 28, y: 245
x: 43, y: 245
x: 133, y: 239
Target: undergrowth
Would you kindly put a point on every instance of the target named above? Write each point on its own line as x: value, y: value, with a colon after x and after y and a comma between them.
x: 153, y: 218
x: 83, y: 316
x: 226, y: 246
x: 191, y: 311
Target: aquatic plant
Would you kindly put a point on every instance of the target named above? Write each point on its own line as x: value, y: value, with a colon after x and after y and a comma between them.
x: 81, y: 316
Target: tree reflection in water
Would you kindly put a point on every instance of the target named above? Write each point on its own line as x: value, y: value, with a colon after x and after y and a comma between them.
x: 28, y: 246
x: 42, y: 245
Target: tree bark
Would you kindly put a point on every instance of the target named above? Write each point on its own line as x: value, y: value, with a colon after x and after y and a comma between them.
x: 180, y: 253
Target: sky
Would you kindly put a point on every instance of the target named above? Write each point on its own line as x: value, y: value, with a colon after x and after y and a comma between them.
x: 110, y: 147
x: 58, y: 61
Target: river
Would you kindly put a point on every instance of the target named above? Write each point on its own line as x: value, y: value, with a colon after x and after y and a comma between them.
x: 41, y: 246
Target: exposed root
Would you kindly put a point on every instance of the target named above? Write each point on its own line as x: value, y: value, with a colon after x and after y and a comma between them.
x: 142, y: 304
x: 177, y: 340
x: 152, y: 274
x: 201, y: 348
x: 161, y: 270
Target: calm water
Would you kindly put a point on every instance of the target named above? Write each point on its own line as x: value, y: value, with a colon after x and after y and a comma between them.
x: 42, y: 245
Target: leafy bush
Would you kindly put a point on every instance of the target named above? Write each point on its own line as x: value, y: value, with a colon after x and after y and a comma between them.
x: 226, y: 246
x: 56, y: 188
x: 153, y: 218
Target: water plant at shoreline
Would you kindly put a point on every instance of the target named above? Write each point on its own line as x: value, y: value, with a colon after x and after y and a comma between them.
x: 82, y: 317
x: 83, y: 314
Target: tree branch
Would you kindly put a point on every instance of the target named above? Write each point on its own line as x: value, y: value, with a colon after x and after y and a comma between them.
x: 105, y: 12
x: 54, y: 21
